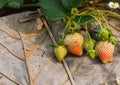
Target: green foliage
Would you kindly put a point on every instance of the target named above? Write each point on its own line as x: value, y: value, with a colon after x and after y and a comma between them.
x: 52, y: 9
x: 57, y: 9
x: 11, y: 3
x: 69, y: 4
x: 84, y: 19
x: 2, y: 3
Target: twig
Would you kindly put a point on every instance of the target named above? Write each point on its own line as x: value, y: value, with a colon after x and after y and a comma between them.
x: 68, y: 72
x: 27, y: 19
x: 114, y: 27
x: 30, y: 17
x: 10, y: 79
x: 10, y: 35
x: 49, y: 31
x: 27, y: 65
x: 11, y: 52
x: 73, y: 73
x: 54, y: 41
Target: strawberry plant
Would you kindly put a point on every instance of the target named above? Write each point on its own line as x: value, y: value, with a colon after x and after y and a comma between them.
x: 67, y: 10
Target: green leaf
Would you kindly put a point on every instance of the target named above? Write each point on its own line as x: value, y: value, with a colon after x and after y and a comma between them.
x: 84, y: 19
x: 52, y: 9
x: 69, y: 4
x: 11, y: 3
x: 14, y: 4
x: 2, y: 3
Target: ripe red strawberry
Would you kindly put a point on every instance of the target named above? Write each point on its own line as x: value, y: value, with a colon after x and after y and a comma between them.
x: 74, y: 42
x: 105, y: 51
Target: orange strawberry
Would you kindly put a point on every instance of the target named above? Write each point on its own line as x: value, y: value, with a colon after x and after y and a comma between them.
x: 75, y: 48
x: 105, y: 51
x: 73, y: 37
x: 74, y: 42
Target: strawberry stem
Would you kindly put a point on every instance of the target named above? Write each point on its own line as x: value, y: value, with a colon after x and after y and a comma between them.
x: 106, y: 11
x: 113, y: 13
x: 87, y: 33
x: 96, y: 20
x: 106, y: 21
x: 65, y: 29
x: 66, y: 26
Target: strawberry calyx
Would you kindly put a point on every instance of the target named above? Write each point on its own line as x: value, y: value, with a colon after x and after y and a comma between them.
x: 113, y: 40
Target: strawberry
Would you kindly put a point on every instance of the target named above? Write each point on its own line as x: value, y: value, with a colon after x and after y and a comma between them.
x: 89, y: 47
x: 103, y: 34
x: 60, y: 52
x: 105, y: 51
x: 74, y: 42
x: 75, y: 48
x: 89, y: 44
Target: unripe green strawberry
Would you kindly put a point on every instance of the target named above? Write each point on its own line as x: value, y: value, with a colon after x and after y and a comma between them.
x: 89, y: 44
x: 74, y: 42
x: 103, y: 34
x: 89, y: 47
x: 105, y: 51
x: 60, y: 52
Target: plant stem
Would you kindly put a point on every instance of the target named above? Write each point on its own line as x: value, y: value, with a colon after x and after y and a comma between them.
x: 80, y: 14
x: 106, y: 22
x: 87, y: 33
x: 66, y: 26
x: 113, y: 13
x: 96, y: 20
